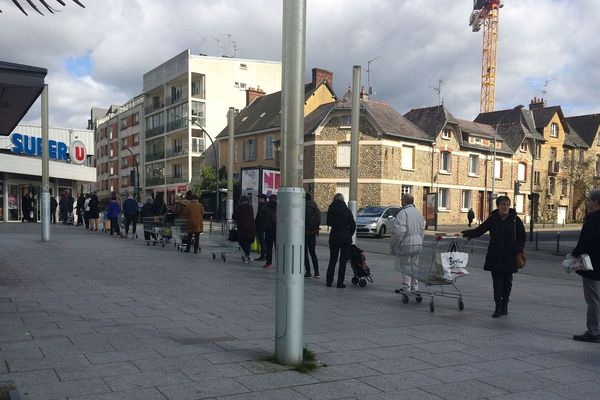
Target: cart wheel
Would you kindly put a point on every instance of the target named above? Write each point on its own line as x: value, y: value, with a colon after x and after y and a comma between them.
x: 355, y: 280
x: 214, y: 256
x: 404, y: 299
x: 362, y: 283
x: 418, y: 298
x: 431, y: 306
x: 461, y: 305
x: 147, y: 243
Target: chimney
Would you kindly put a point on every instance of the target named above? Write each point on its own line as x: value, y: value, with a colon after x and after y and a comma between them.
x: 253, y: 94
x: 363, y: 95
x: 537, y: 103
x: 320, y: 74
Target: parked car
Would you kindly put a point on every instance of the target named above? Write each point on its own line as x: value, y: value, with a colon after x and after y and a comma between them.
x: 376, y: 220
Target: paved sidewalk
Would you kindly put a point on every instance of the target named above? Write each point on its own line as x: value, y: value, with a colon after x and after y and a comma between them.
x: 88, y: 316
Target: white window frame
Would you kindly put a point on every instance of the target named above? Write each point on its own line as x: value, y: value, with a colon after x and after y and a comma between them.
x: 343, y: 155
x: 407, y: 158
x: 473, y: 165
x: 345, y: 121
x: 519, y: 203
x: 466, y: 198
x: 446, y: 133
x: 406, y: 189
x: 521, y: 172
x: 498, y: 169
x: 554, y: 130
x: 523, y: 147
x: 445, y: 156
x: 443, y: 199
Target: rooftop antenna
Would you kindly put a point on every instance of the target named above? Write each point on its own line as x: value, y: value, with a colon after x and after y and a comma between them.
x: 438, y: 89
x: 218, y: 45
x: 369, y: 74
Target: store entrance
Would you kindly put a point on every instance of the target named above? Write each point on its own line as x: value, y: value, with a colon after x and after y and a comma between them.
x: 24, y: 202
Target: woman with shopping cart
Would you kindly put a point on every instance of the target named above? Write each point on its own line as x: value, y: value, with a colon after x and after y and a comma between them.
x: 507, y: 239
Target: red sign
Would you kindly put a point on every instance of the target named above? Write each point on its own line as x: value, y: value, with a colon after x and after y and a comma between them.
x: 182, y: 188
x: 77, y: 152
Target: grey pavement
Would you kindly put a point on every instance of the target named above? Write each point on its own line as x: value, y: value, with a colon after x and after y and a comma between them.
x: 89, y: 316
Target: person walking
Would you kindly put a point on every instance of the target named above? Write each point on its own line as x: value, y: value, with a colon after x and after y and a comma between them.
x: 407, y: 241
x: 148, y: 212
x: 26, y: 207
x: 270, y: 230
x: 246, y: 230
x: 589, y: 243
x: 470, y: 216
x: 80, y: 209
x: 131, y: 210
x: 341, y: 221
x: 113, y: 212
x: 312, y: 222
x: 507, y: 239
x: 53, y: 207
x: 94, y: 212
x: 259, y: 221
x: 194, y: 213
x: 86, y: 211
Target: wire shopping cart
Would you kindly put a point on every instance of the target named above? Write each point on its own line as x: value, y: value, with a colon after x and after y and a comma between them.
x: 158, y: 229
x: 437, y: 269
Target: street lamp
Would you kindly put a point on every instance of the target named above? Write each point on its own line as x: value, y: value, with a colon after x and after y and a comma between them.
x: 493, y: 194
x: 137, y: 173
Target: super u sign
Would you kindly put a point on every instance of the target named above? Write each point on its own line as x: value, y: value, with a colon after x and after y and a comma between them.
x: 77, y: 153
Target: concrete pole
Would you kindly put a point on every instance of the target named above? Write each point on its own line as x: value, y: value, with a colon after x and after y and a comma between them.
x: 45, y: 169
x: 355, y: 121
x: 230, y: 147
x: 289, y: 301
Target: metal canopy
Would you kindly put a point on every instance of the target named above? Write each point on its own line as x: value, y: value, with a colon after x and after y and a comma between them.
x: 20, y: 86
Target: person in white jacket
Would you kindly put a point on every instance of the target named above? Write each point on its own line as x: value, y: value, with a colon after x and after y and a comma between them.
x: 407, y: 241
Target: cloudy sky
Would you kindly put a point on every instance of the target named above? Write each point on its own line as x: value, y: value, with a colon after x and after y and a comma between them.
x: 96, y: 56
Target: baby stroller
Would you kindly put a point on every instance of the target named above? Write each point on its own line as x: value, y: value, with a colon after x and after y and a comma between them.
x: 358, y: 262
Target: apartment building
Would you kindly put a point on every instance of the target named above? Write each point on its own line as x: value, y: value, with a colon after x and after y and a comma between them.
x: 186, y: 100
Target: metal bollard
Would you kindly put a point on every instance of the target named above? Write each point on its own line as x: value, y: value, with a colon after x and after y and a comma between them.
x: 537, y: 235
x: 557, y: 242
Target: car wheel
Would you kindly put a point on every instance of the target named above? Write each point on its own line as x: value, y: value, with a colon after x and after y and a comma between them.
x: 381, y: 232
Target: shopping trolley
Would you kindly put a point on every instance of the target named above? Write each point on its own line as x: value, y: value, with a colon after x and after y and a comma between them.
x: 159, y: 230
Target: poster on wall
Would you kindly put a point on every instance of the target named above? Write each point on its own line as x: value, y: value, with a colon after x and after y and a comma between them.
x: 271, y: 181
x: 430, y: 210
x: 250, y: 180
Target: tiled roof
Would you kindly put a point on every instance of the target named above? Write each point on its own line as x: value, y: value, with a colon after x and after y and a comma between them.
x: 392, y: 123
x: 542, y: 116
x: 431, y: 119
x: 468, y: 128
x: 586, y: 126
x: 515, y: 125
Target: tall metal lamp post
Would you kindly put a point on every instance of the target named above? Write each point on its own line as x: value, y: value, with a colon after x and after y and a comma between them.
x: 137, y: 173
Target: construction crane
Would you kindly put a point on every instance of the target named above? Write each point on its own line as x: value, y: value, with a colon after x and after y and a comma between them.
x: 485, y: 14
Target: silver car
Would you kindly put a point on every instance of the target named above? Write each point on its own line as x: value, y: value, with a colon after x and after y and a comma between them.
x: 376, y: 220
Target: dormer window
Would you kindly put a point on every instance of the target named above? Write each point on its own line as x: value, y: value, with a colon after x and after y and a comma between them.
x: 554, y: 130
x: 446, y: 133
x: 345, y: 121
x: 523, y: 147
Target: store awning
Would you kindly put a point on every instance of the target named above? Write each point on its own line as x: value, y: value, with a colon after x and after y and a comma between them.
x: 20, y: 86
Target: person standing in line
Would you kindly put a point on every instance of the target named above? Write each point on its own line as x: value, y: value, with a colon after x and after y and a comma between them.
x: 194, y: 213
x: 507, y: 239
x: 312, y: 222
x: 160, y: 208
x: 63, y: 206
x: 113, y: 212
x: 244, y: 219
x: 26, y: 207
x: 148, y: 212
x: 70, y: 205
x: 589, y: 243
x: 341, y: 221
x: 80, y: 209
x: 270, y: 230
x: 407, y: 241
x: 470, y: 216
x: 94, y: 212
x: 53, y: 207
x: 86, y: 211
x: 131, y: 210
x: 260, y: 225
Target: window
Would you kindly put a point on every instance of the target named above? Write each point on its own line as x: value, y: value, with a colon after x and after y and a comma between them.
x: 268, y: 147
x: 445, y: 161
x: 551, y: 185
x: 566, y: 156
x: 197, y: 145
x: 523, y: 147
x: 564, y: 187
x: 522, y: 172
x: 406, y: 189
x: 408, y: 157
x: 176, y: 92
x: 136, y: 118
x: 243, y: 66
x: 123, y: 142
x: 177, y: 170
x: 123, y: 123
x: 343, y: 155
x: 519, y: 203
x: 249, y: 150
x: 597, y: 166
x: 199, y: 113
x: 473, y: 164
x: 124, y: 162
x: 554, y: 130
x: 553, y: 154
x: 124, y: 181
x: 198, y: 86
x: 581, y: 156
x: 466, y: 202
x: 498, y: 169
x: 136, y: 139
x: 446, y: 133
x: 345, y: 121
x: 536, y: 177
x: 444, y: 199
x: 343, y: 188
x: 538, y: 151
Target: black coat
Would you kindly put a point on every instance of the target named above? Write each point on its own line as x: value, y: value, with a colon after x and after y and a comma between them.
x: 507, y: 238
x: 341, y: 221
x: 244, y: 219
x: 589, y: 243
x: 261, y: 216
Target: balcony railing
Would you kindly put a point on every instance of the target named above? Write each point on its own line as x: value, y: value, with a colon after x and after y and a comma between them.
x: 198, y: 147
x: 153, y: 107
x: 175, y: 99
x: 177, y: 151
x: 159, y: 155
x: 157, y: 130
x: 176, y: 178
x: 178, y: 124
x: 155, y: 180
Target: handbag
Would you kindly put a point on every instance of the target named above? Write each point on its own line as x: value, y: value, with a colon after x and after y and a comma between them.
x: 232, y: 236
x: 520, y: 259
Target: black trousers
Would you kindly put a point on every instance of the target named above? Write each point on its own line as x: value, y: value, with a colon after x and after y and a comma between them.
x: 270, y: 235
x: 114, y: 226
x: 335, y: 250
x: 53, y: 216
x: 309, y: 248
x: 260, y: 235
x: 129, y: 219
x: 196, y: 236
x: 502, y: 286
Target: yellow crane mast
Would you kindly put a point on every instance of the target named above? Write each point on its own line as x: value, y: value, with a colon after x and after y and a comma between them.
x: 485, y: 14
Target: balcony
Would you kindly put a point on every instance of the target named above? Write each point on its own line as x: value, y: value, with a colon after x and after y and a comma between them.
x: 153, y: 107
x: 180, y: 178
x: 177, y: 151
x: 155, y: 180
x: 177, y: 124
x: 553, y: 167
x: 198, y: 146
x: 157, y: 130
x: 158, y: 155
x: 176, y: 99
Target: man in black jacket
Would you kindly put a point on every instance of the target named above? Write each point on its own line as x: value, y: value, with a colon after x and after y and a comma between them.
x: 341, y: 221
x: 259, y: 222
x: 589, y: 243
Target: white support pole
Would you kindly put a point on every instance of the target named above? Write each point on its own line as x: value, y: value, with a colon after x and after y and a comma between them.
x: 45, y: 169
x: 289, y: 302
x: 355, y: 121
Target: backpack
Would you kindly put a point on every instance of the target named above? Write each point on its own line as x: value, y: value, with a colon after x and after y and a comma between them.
x: 312, y: 219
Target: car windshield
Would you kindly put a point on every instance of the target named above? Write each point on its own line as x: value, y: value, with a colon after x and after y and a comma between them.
x: 370, y: 212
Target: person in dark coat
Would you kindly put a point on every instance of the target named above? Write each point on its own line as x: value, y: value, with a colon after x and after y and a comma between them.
x: 63, y: 205
x: 507, y: 238
x: 470, y: 216
x: 312, y: 221
x: 113, y: 211
x: 589, y: 243
x: 94, y: 212
x: 53, y: 207
x: 80, y: 209
x: 71, y: 203
x: 246, y: 230
x: 131, y: 210
x: 148, y: 212
x: 259, y: 221
x: 341, y: 221
x: 160, y: 208
x: 26, y: 207
x: 270, y: 230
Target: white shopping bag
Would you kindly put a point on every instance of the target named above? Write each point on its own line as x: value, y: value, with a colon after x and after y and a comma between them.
x: 454, y: 264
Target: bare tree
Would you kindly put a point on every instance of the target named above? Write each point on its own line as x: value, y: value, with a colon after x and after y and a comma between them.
x: 584, y: 175
x: 44, y: 3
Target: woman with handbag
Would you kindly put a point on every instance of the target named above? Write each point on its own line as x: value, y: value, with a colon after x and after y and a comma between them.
x: 507, y: 240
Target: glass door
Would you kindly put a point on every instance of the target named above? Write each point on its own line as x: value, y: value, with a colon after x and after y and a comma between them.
x: 14, y: 203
